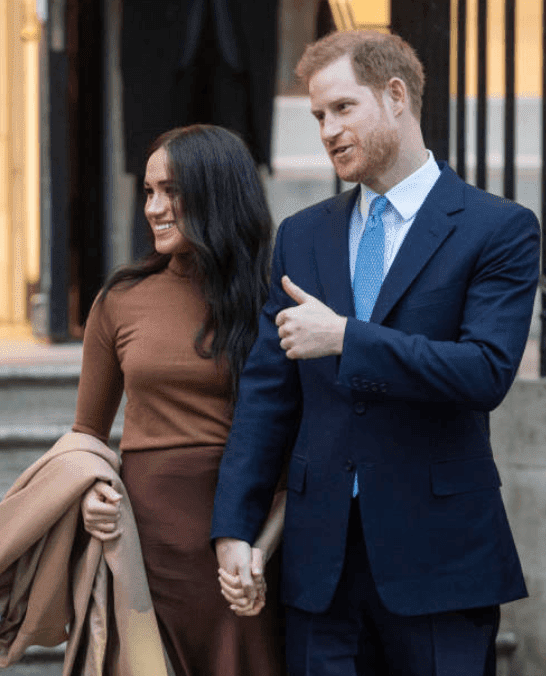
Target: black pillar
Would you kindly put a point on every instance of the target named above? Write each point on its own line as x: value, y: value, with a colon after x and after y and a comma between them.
x: 425, y: 24
x: 88, y: 175
x: 58, y: 262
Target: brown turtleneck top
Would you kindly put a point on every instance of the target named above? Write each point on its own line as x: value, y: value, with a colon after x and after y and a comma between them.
x: 141, y: 339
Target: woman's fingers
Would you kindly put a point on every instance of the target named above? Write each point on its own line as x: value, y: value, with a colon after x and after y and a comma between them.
x: 107, y: 492
x: 104, y: 536
x: 101, y: 511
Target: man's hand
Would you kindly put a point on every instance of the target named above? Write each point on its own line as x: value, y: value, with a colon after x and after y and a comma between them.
x: 311, y: 329
x: 235, y: 558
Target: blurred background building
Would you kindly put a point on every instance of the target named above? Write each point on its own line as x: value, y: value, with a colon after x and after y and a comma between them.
x: 20, y: 33
x: 69, y: 204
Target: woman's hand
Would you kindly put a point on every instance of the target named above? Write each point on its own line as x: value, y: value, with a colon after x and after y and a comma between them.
x: 101, y: 510
x: 233, y: 592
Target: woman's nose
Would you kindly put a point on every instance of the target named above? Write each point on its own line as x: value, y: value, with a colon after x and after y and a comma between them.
x: 155, y: 204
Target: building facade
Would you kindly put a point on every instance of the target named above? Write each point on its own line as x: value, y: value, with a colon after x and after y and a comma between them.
x: 20, y: 32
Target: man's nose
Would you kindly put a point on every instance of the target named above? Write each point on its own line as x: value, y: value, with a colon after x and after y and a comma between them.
x: 331, y: 128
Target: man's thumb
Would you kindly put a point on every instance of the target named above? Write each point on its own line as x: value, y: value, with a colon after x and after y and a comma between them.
x: 294, y: 291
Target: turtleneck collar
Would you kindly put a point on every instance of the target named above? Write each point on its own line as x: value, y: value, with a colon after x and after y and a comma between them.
x: 179, y: 265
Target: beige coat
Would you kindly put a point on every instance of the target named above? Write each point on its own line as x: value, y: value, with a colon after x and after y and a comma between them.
x: 58, y: 583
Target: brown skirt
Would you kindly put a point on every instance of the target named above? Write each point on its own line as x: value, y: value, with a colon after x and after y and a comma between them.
x: 172, y: 495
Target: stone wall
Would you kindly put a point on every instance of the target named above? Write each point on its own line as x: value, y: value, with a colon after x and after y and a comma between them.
x: 518, y: 430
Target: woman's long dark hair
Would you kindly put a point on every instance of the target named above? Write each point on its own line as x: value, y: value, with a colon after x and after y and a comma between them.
x: 222, y: 211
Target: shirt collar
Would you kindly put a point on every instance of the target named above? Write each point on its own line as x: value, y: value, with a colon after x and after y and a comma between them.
x: 408, y: 196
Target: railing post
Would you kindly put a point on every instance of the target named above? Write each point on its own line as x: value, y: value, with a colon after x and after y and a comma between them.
x: 425, y: 24
x: 461, y: 89
x: 481, y: 116
x: 509, y: 97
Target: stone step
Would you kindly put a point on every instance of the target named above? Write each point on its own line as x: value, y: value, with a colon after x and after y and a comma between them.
x: 37, y: 406
x: 42, y: 393
x: 38, y: 403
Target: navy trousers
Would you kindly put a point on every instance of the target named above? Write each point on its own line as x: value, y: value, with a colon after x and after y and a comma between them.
x: 358, y: 636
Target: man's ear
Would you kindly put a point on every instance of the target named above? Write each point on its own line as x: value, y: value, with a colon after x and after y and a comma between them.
x: 397, y: 93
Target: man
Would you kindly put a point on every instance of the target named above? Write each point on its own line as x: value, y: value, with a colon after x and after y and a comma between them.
x: 392, y: 328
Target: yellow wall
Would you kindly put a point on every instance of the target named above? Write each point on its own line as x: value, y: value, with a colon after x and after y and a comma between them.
x: 528, y: 48
x: 361, y: 13
x: 528, y: 40
x: 19, y: 157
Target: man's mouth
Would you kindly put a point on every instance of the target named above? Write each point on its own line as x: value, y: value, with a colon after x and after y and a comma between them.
x: 340, y: 151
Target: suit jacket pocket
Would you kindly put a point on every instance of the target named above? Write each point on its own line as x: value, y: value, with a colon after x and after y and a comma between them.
x: 463, y: 476
x: 297, y: 472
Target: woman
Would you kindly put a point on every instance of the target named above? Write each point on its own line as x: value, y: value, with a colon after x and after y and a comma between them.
x: 174, y: 332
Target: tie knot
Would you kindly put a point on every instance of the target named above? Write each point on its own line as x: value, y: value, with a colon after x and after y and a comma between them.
x: 378, y: 206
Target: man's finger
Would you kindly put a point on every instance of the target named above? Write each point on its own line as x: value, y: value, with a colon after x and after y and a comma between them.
x: 281, y: 318
x: 236, y: 596
x: 294, y: 291
x: 232, y: 580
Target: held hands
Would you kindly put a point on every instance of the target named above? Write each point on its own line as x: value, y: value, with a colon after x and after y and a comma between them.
x: 101, y: 510
x: 233, y: 591
x: 311, y: 329
x: 241, y: 576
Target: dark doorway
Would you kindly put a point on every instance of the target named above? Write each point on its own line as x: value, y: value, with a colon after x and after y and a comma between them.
x: 85, y: 46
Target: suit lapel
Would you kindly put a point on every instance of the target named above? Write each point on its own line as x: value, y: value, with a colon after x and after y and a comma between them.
x: 432, y: 226
x: 331, y: 247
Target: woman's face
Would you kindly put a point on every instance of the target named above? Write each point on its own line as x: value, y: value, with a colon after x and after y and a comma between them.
x: 159, y: 209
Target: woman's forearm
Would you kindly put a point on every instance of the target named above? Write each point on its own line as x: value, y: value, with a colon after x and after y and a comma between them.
x: 271, y: 533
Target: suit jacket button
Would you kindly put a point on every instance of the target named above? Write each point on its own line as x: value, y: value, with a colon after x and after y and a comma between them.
x: 360, y: 407
x: 350, y: 466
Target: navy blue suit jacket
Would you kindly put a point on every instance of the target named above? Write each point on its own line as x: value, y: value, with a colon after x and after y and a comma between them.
x: 407, y: 404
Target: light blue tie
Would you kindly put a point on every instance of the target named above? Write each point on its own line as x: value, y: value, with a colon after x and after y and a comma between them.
x: 370, y: 261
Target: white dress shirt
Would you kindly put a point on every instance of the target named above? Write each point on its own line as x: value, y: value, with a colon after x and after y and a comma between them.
x: 405, y: 200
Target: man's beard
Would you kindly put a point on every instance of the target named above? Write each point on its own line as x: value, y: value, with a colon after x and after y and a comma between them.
x: 380, y: 151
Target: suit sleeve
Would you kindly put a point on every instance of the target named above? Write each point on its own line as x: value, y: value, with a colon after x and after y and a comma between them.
x: 265, y: 425
x: 476, y: 369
